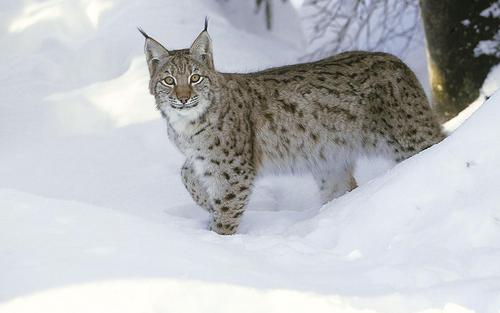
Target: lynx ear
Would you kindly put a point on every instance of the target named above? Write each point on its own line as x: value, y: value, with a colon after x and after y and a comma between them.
x: 154, y: 52
x: 201, y: 49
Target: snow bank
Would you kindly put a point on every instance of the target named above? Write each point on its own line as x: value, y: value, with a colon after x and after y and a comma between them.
x: 434, y: 247
x: 177, y: 296
x: 82, y: 58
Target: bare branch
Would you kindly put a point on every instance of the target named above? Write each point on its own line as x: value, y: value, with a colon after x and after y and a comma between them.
x: 340, y: 25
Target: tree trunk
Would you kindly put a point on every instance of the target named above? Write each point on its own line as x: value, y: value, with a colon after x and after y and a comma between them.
x: 453, y: 29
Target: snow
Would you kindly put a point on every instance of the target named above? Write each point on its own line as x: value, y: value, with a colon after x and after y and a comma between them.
x: 489, y: 47
x: 95, y: 218
x: 466, y: 22
x: 492, y: 11
x: 490, y: 86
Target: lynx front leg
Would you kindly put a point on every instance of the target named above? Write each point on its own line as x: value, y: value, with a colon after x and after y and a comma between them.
x: 228, y: 187
x: 229, y: 203
x: 334, y: 182
x: 194, y: 186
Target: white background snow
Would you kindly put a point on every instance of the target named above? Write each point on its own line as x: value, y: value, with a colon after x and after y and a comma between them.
x: 94, y: 217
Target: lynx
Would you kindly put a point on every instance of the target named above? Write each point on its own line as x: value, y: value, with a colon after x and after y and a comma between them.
x: 316, y: 117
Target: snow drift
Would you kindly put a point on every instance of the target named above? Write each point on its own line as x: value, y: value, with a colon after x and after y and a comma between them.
x: 424, y: 235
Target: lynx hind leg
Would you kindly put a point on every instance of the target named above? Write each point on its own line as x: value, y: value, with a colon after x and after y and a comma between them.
x: 335, y: 181
x: 195, y: 187
x: 413, y: 142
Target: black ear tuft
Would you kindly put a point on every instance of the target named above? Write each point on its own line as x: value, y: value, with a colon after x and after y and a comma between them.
x: 206, y: 24
x: 143, y: 32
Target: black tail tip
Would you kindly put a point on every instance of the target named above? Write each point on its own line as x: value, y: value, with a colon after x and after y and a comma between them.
x: 206, y: 24
x: 143, y: 32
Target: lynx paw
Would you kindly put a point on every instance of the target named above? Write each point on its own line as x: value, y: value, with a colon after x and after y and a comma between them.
x: 223, y: 228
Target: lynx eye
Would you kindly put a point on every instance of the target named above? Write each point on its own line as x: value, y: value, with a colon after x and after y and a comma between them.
x: 169, y: 81
x: 195, y: 78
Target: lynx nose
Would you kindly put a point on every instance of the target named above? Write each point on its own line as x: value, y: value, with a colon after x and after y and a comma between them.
x: 183, y: 94
x: 183, y: 99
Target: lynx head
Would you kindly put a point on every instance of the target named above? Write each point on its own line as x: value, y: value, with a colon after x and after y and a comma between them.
x: 181, y: 79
